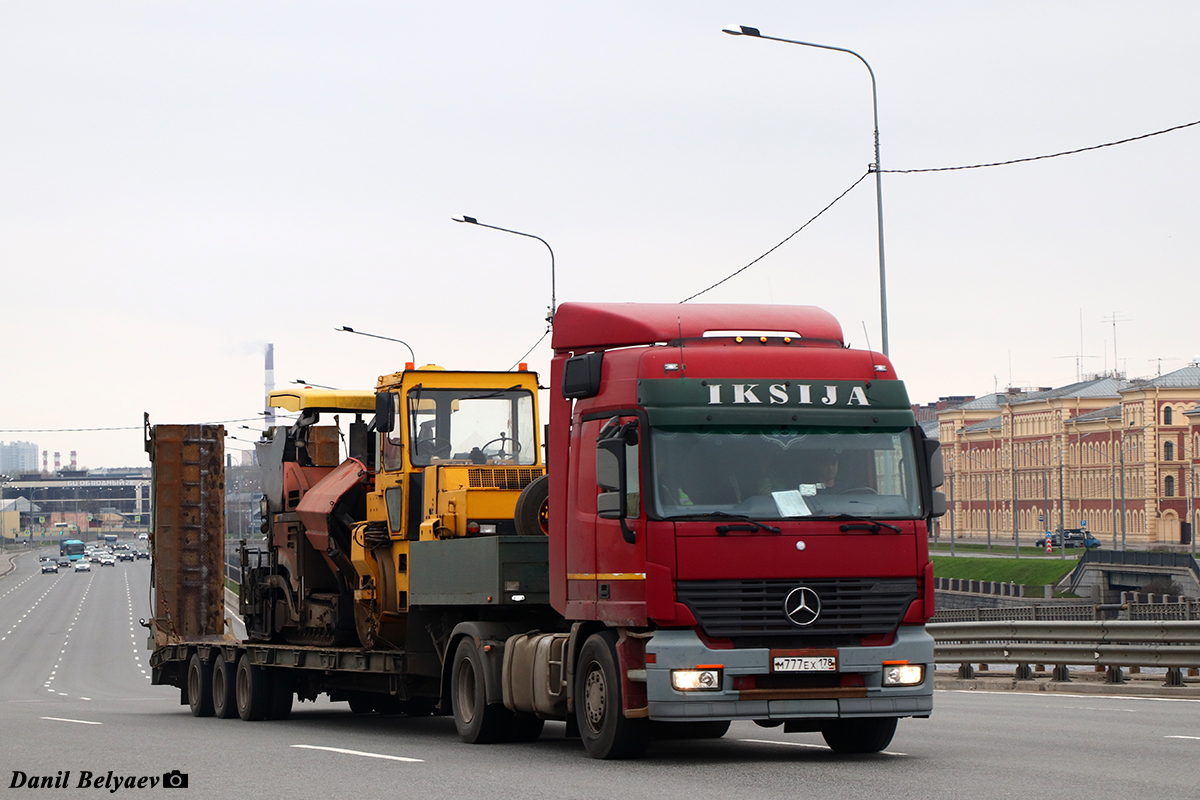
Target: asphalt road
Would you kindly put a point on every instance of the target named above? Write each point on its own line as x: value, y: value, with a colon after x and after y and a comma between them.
x: 74, y: 695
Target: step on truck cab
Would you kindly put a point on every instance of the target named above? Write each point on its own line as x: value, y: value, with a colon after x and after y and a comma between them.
x: 739, y: 506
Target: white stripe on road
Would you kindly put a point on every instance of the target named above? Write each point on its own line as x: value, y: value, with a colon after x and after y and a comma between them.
x: 806, y: 744
x: 1197, y: 738
x: 80, y: 721
x: 1046, y: 695
x: 359, y: 753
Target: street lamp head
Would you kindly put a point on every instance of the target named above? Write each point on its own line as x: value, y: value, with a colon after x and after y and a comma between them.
x: 465, y: 218
x: 741, y: 30
x: 346, y: 328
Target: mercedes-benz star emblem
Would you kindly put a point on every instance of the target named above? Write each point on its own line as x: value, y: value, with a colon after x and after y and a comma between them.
x: 802, y: 606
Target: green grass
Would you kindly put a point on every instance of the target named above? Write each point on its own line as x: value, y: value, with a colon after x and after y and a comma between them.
x: 1030, y: 571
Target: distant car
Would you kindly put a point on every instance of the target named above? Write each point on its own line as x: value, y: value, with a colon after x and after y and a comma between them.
x: 63, y: 562
x: 107, y: 561
x: 143, y: 537
x: 1076, y: 537
x: 143, y: 554
x: 50, y: 566
x: 121, y: 546
x: 83, y: 566
x: 43, y: 558
x: 94, y: 558
x: 125, y: 555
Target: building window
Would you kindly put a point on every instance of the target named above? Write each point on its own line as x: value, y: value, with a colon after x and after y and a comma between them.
x: 1168, y: 451
x: 1169, y: 486
x: 1166, y: 415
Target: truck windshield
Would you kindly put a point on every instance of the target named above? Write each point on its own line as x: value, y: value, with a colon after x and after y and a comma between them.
x: 479, y: 426
x: 784, y: 473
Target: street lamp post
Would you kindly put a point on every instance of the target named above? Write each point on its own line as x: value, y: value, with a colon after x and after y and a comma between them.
x: 348, y: 329
x: 742, y: 30
x: 553, y: 304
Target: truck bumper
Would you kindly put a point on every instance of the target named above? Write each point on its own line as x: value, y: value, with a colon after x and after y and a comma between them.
x: 682, y: 649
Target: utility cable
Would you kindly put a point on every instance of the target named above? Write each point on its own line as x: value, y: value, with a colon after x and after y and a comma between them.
x: 782, y: 243
x: 1050, y: 155
x: 530, y: 350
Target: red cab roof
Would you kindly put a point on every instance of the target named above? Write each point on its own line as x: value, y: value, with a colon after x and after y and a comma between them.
x: 594, y: 326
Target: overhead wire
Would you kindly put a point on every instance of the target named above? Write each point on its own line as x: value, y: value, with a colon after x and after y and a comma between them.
x: 1048, y: 155
x: 939, y: 169
x: 782, y: 243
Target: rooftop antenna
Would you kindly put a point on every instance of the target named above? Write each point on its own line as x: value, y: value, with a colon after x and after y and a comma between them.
x: 1114, y: 318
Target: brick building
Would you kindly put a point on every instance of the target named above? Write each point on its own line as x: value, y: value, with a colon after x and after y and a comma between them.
x: 1114, y: 456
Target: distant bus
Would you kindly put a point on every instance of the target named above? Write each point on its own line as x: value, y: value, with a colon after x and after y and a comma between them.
x: 71, y: 548
x: 110, y: 539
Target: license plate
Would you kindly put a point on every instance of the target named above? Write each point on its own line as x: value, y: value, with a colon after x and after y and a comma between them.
x: 804, y: 662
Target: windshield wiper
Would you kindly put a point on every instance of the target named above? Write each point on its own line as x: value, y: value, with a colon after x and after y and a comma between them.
x: 489, y: 395
x: 751, y: 524
x: 863, y: 524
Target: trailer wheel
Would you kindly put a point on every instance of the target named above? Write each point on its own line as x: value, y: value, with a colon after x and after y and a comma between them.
x: 361, y: 703
x: 603, y: 726
x: 869, y: 735
x: 477, y: 721
x: 253, y: 695
x: 224, y: 689
x: 531, y: 515
x: 282, y: 693
x: 199, y: 684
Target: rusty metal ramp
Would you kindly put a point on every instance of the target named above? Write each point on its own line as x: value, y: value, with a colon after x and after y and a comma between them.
x: 187, y: 537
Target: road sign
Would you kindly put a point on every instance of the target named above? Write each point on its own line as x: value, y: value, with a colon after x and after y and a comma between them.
x: 1083, y: 523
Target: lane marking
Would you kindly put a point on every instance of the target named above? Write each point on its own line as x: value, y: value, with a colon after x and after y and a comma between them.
x: 80, y: 721
x: 359, y: 753
x: 1196, y: 738
x: 813, y: 746
x: 1046, y: 695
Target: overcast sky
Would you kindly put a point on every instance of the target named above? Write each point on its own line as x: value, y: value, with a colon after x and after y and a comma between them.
x: 181, y: 183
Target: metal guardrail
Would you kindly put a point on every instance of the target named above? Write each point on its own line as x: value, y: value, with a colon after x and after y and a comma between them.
x: 1182, y: 610
x: 1114, y: 644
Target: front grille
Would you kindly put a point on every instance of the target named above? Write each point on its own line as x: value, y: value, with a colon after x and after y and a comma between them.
x: 850, y: 607
x: 511, y: 478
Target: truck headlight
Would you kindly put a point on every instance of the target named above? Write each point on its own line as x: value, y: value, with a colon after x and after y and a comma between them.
x: 903, y: 674
x: 700, y: 679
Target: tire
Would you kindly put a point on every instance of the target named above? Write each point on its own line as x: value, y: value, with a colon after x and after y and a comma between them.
x: 531, y: 516
x: 525, y: 728
x: 280, y: 689
x: 362, y: 703
x: 868, y: 735
x: 224, y: 689
x: 606, y: 731
x: 252, y: 691
x: 199, y: 686
x: 477, y: 721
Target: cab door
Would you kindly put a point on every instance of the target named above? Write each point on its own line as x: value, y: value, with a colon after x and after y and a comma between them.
x: 620, y: 521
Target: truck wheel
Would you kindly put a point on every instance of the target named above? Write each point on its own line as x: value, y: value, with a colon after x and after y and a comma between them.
x: 199, y: 683
x: 282, y: 693
x: 604, y: 728
x: 868, y: 735
x: 224, y: 689
x: 477, y: 721
x: 531, y: 516
x: 361, y: 703
x: 253, y: 695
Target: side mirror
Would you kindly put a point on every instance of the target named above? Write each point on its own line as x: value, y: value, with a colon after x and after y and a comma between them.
x: 937, y: 508
x: 385, y: 412
x: 581, y: 375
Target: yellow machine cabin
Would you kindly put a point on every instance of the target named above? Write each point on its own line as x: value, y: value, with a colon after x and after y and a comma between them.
x: 445, y: 459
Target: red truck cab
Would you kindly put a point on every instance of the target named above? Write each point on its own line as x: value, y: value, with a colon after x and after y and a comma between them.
x: 742, y: 503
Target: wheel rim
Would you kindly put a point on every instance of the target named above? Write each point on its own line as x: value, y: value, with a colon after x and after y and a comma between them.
x: 242, y: 682
x: 465, y: 691
x: 194, y: 685
x: 544, y: 516
x: 595, y: 698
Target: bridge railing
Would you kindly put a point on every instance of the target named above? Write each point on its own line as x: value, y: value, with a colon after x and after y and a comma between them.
x: 1111, y: 644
